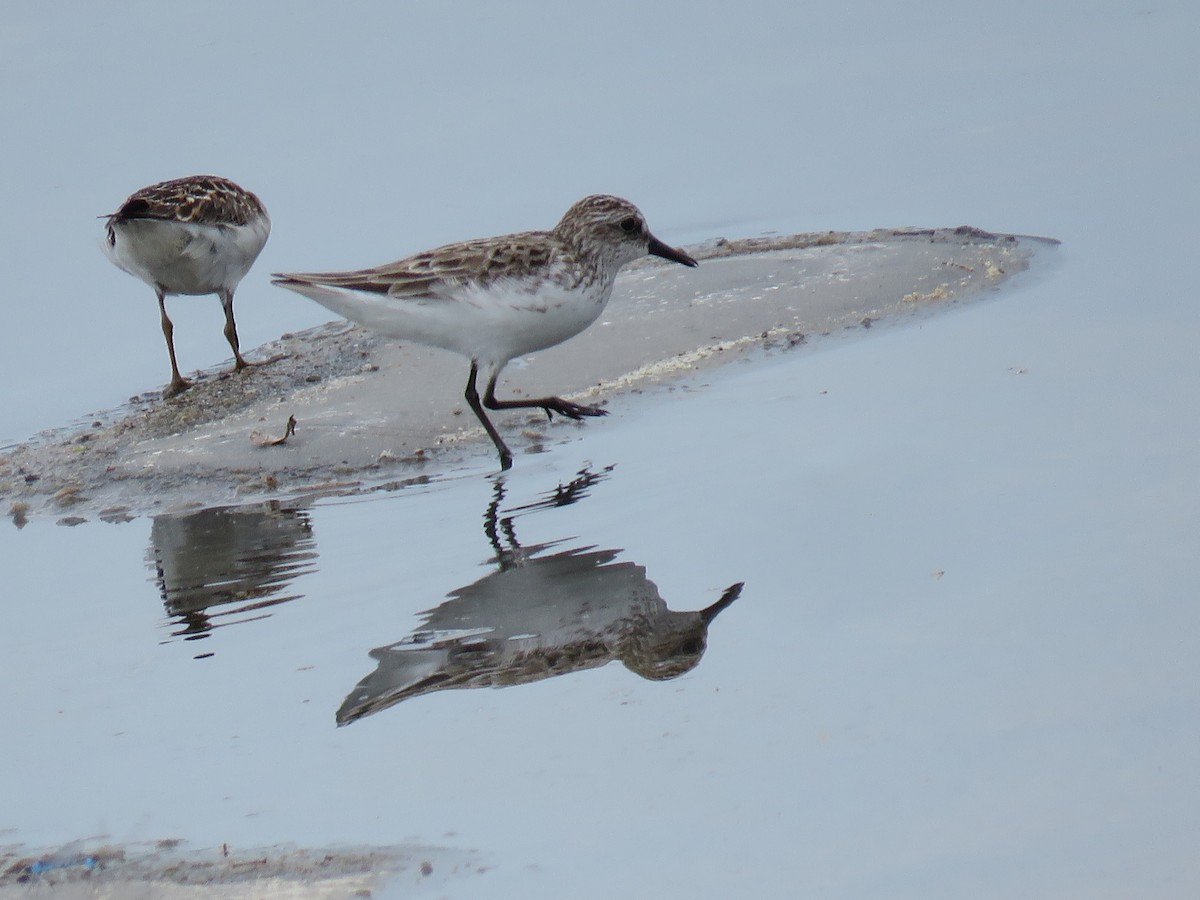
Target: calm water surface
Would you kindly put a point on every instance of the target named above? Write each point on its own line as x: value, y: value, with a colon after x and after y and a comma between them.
x: 964, y: 658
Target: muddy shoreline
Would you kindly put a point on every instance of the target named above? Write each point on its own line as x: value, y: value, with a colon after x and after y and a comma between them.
x: 372, y: 414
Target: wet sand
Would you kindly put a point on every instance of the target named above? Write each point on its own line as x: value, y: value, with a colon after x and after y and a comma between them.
x: 372, y: 414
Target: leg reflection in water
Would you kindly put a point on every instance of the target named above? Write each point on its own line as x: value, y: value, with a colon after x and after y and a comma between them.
x: 223, y: 565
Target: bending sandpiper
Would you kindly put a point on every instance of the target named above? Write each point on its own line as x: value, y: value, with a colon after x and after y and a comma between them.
x: 195, y: 235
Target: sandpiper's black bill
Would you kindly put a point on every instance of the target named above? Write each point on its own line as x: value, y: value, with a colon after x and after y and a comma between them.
x: 731, y: 593
x: 658, y: 248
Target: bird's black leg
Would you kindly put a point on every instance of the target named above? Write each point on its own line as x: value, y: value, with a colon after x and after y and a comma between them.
x: 472, y: 397
x: 551, y: 405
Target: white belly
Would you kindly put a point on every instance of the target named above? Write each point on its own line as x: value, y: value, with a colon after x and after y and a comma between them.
x: 187, y: 258
x: 490, y: 327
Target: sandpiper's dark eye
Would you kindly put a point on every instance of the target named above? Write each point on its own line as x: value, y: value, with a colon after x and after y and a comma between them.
x: 629, y: 225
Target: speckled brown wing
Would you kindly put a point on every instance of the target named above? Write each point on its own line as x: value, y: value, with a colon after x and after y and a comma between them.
x: 199, y: 199
x: 437, y: 273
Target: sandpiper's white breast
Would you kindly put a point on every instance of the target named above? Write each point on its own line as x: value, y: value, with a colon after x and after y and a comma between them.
x: 508, y: 319
x: 492, y: 324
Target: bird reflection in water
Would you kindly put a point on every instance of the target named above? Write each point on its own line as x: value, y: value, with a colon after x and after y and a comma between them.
x: 228, y: 563
x: 539, y: 615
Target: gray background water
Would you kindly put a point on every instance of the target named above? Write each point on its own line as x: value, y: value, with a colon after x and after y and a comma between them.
x: 965, y: 660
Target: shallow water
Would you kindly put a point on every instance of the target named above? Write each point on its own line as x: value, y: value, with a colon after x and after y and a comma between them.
x: 963, y: 662
x: 931, y: 649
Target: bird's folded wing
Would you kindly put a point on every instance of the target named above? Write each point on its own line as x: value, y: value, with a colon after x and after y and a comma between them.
x: 437, y: 273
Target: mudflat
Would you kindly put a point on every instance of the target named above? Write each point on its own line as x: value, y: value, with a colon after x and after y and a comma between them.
x: 336, y: 409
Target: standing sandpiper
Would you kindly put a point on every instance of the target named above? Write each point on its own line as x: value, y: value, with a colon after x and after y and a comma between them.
x: 197, y: 235
x: 495, y: 299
